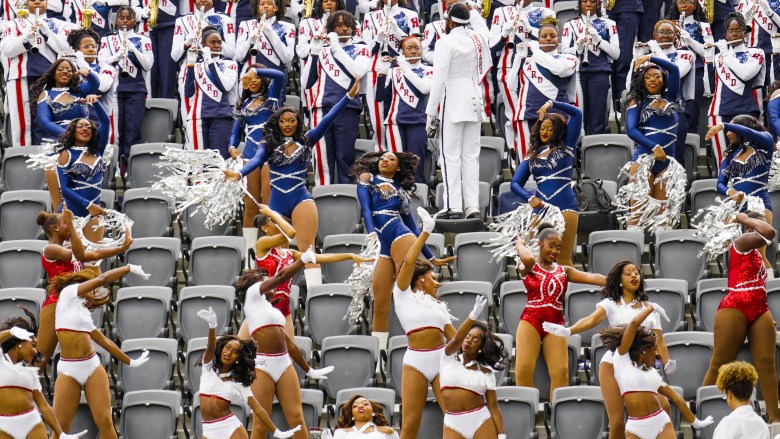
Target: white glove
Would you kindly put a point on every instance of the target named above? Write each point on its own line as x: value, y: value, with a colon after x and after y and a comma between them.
x: 709, y: 54
x: 382, y: 67
x: 534, y: 45
x: 373, y: 4
x: 501, y: 436
x: 701, y: 423
x: 333, y: 37
x: 775, y: 43
x: 581, y: 41
x: 654, y: 47
x: 595, y: 37
x: 209, y: 316
x: 685, y: 35
x: 144, y: 13
x: 316, y: 46
x: 722, y: 46
x: 192, y: 57
x: 431, y: 125
x: 21, y: 333
x: 401, y: 61
x: 507, y: 29
x: 286, y: 434
x: 659, y: 309
x: 428, y: 222
x: 670, y: 367
x: 309, y: 257
x: 73, y: 436
x: 556, y: 329
x: 140, y: 360
x: 190, y: 40
x: 206, y: 52
x: 80, y: 61
x: 319, y: 374
x: 479, y: 305
x: 138, y: 270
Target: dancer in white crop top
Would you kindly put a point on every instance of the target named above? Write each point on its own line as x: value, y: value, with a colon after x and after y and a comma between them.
x: 79, y: 367
x: 24, y: 411
x: 624, y: 298
x: 362, y: 418
x: 639, y: 382
x: 275, y: 375
x: 428, y: 326
x: 228, y: 371
x: 468, y: 383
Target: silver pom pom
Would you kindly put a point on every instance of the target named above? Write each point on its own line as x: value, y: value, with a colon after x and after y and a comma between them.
x: 115, y: 227
x: 716, y: 224
x: 360, y: 279
x: 512, y: 225
x: 636, y: 208
x: 774, y: 171
x: 46, y: 157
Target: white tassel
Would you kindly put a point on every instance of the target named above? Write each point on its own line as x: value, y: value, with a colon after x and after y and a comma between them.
x: 115, y: 228
x: 512, y: 225
x: 360, y: 279
x: 774, y: 171
x: 716, y: 224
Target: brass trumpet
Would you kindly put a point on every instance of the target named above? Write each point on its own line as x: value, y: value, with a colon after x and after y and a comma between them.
x: 308, y: 8
x: 87, y: 14
x: 154, y: 11
x: 486, y: 5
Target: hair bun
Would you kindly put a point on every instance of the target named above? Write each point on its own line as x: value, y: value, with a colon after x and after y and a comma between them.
x: 549, y: 20
x: 41, y: 218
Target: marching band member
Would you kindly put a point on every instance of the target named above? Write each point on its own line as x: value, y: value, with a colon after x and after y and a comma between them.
x: 405, y: 90
x: 739, y: 70
x: 267, y: 40
x: 190, y: 27
x: 544, y: 75
x: 599, y: 36
x: 314, y: 28
x: 209, y: 88
x: 100, y: 11
x: 763, y: 20
x: 329, y: 75
x: 383, y: 30
x: 512, y: 25
x: 8, y: 10
x: 132, y: 55
x: 29, y: 47
x: 626, y: 15
x: 160, y: 31
x: 462, y: 61
x: 696, y: 34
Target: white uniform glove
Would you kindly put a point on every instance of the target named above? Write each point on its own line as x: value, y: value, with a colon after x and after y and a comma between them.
x: 501, y: 436
x: 428, y: 222
x: 722, y: 46
x: 319, y: 374
x: 659, y: 309
x: 595, y: 37
x: 479, y: 305
x: 401, y: 61
x: 556, y: 329
x: 581, y: 41
x: 507, y: 29
x: 192, y: 57
x: 701, y: 423
x: 138, y: 270
x: 333, y: 37
x: 534, y: 46
x: 432, y: 125
x: 144, y: 13
x: 316, y: 46
x: 654, y: 47
x: 670, y: 367
x: 209, y: 316
x: 73, y: 436
x: 286, y: 434
x: 81, y: 63
x: 382, y: 67
x: 21, y: 333
x: 206, y: 52
x: 309, y: 257
x: 190, y: 40
x: 140, y: 360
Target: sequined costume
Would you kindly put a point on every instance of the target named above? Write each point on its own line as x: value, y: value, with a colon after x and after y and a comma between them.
x: 273, y: 261
x: 288, y: 172
x: 553, y: 172
x: 746, y: 284
x: 752, y: 175
x: 80, y: 183
x: 56, y: 268
x: 546, y: 290
x: 58, y: 106
x: 650, y: 126
x: 250, y: 121
x: 387, y: 213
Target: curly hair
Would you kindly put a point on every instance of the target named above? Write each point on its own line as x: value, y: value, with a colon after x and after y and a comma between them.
x: 598, y: 8
x: 273, y: 137
x: 746, y: 121
x: 75, y: 37
x: 281, y: 9
x: 264, y: 84
x: 404, y: 177
x: 643, y: 339
x: 559, y: 134
x: 637, y: 91
x: 47, y: 220
x: 249, y: 278
x: 739, y: 378
x: 47, y: 81
x: 67, y: 139
x: 549, y: 21
x: 348, y: 18
x: 346, y: 420
x: 60, y: 282
x: 613, y: 289
x: 675, y: 29
x: 243, y: 371
x: 493, y: 353
x: 317, y: 11
x: 30, y: 324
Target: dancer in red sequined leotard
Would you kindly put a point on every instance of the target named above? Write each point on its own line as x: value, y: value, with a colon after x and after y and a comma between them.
x: 744, y: 311
x: 545, y: 282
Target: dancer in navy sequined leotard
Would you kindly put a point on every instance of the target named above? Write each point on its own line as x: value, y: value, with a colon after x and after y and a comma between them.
x: 744, y: 311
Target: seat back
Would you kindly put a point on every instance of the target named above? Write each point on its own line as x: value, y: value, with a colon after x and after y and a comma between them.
x: 216, y: 260
x: 338, y: 210
x: 608, y: 247
x: 773, y: 296
x: 14, y: 173
x: 512, y: 300
x: 603, y: 155
x: 312, y: 401
x: 157, y: 372
x: 691, y: 155
x: 141, y: 169
x: 709, y: 293
x: 305, y: 346
x: 490, y: 154
x: 158, y: 256
x: 475, y: 262
x: 689, y: 348
x: 192, y: 371
x: 159, y: 119
x: 20, y: 264
x: 193, y: 221
x: 150, y: 413
x: 150, y: 212
x: 672, y: 295
x: 459, y: 297
x: 522, y: 403
x: 338, y: 272
x: 677, y: 255
x: 580, y: 301
x: 597, y: 351
x: 484, y: 196
x: 578, y: 412
x: 194, y: 299
x: 12, y: 300
x: 396, y: 349
x: 711, y: 402
x: 18, y: 211
x: 354, y: 356
x: 567, y: 10
x: 141, y: 312
x: 325, y: 305
x: 432, y: 422
x: 542, y: 376
x: 703, y: 194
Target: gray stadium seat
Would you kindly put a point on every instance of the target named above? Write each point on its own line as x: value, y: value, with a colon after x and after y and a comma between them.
x: 240, y: 411
x: 773, y: 296
x: 363, y: 146
x: 396, y: 349
x: 312, y: 401
x: 292, y: 101
x: 542, y: 377
x: 490, y: 154
x: 502, y: 376
x: 676, y: 255
x: 215, y: 260
x: 338, y: 272
x: 692, y: 351
x: 18, y: 211
x: 14, y: 173
x: 83, y: 420
x: 150, y: 414
x: 578, y: 412
x: 157, y: 373
x: 691, y: 155
x: 672, y: 295
x: 711, y: 402
x: 383, y: 397
x: 141, y: 312
x: 419, y: 199
x: 703, y: 194
x: 519, y: 406
x: 564, y: 11
x: 608, y: 247
x: 745, y: 355
x: 20, y: 264
x: 194, y: 299
x: 190, y: 381
x: 112, y: 162
x: 13, y: 298
x: 141, y: 169
x: 774, y: 199
x: 338, y: 209
x: 191, y: 224
x: 159, y: 119
x: 709, y: 293
x: 484, y: 198
x: 512, y: 300
x: 597, y: 351
x: 159, y: 258
x: 108, y: 198
x: 580, y: 301
x: 432, y: 423
x: 325, y: 307
x: 305, y: 346
x: 475, y: 262
x: 354, y: 357
x: 150, y: 211
x: 460, y: 296
x: 604, y: 154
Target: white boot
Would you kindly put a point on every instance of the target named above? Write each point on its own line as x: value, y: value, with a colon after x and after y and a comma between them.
x: 313, y: 276
x: 250, y: 235
x: 382, y: 336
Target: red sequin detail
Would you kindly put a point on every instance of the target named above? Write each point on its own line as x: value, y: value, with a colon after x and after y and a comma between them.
x: 272, y: 262
x: 746, y: 284
x: 546, y: 290
x: 54, y: 269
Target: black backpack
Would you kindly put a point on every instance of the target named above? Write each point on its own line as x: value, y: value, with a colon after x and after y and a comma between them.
x: 595, y: 206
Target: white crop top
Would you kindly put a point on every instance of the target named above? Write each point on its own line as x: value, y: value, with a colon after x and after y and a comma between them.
x: 18, y: 375
x: 369, y: 431
x: 71, y: 314
x: 633, y: 379
x: 621, y: 313
x: 417, y: 311
x: 454, y: 374
x: 259, y: 311
x: 211, y: 384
